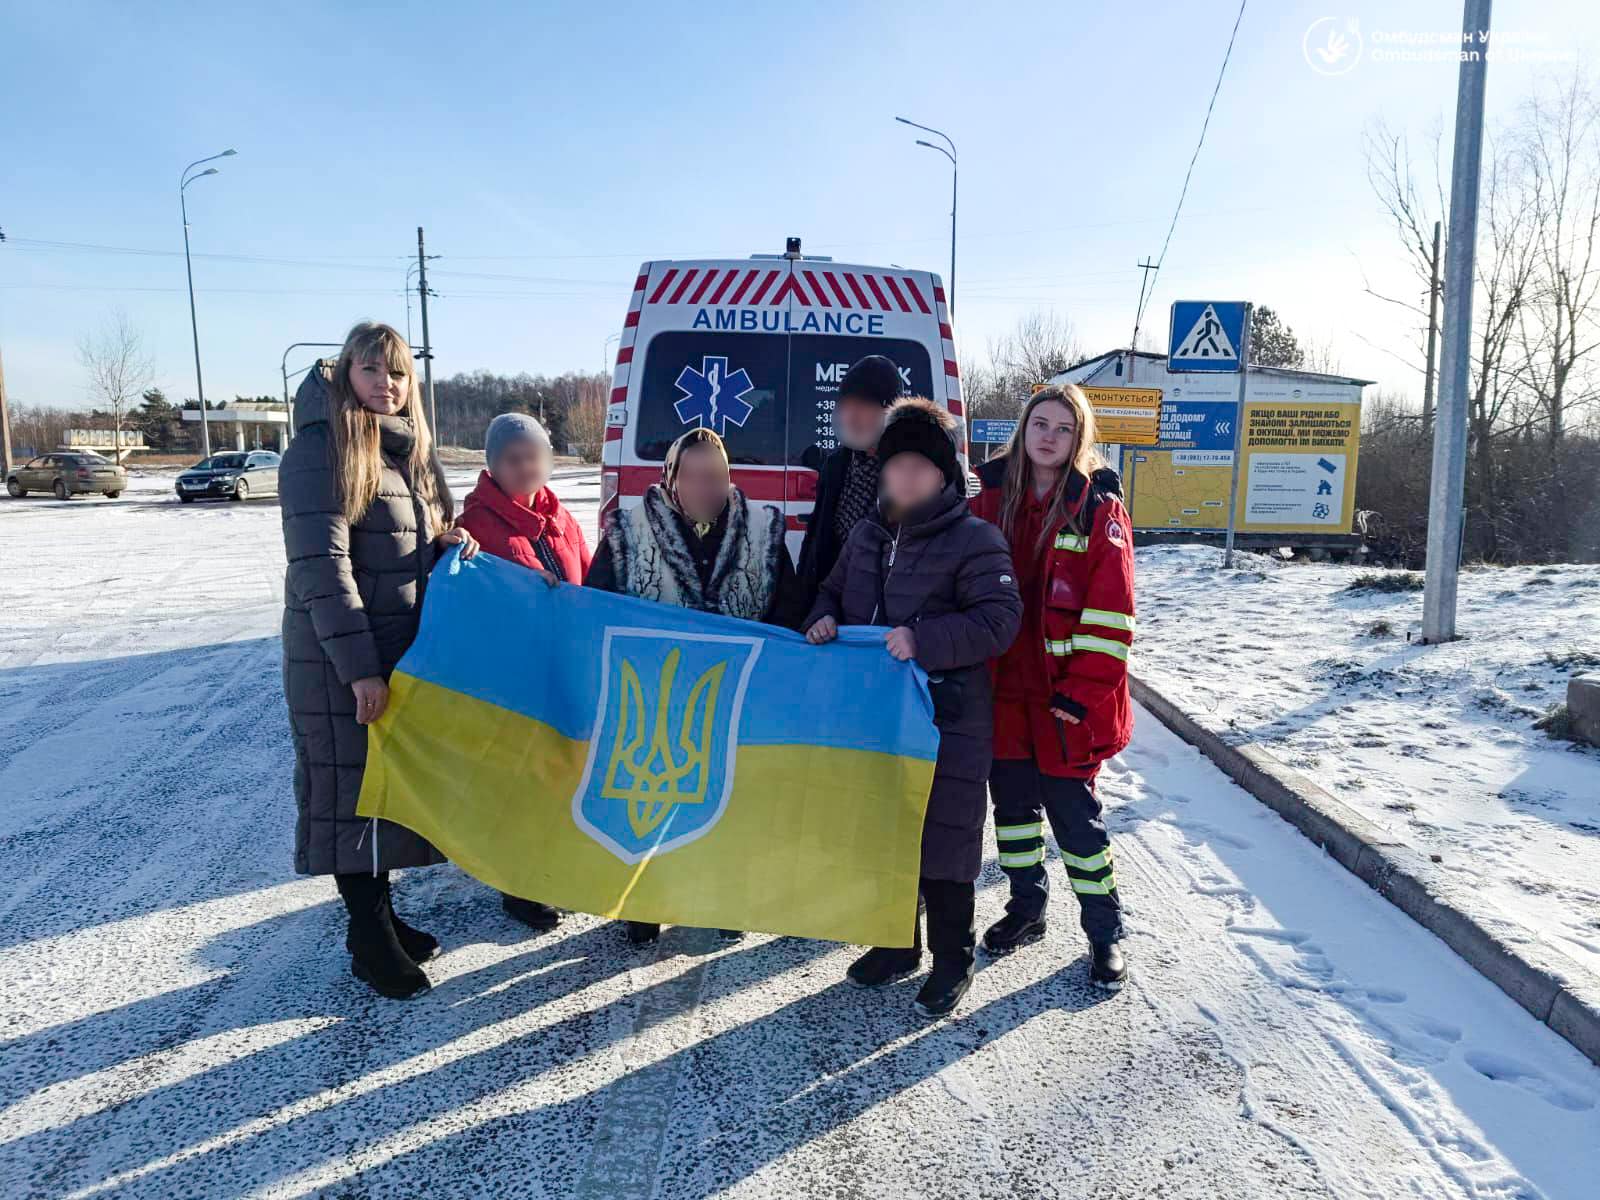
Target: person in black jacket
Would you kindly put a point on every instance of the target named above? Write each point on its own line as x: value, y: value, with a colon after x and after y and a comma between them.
x: 847, y: 482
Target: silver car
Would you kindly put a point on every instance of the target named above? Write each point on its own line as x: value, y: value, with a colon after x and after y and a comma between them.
x: 68, y: 473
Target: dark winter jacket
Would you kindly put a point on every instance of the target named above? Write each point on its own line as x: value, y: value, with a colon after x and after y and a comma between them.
x: 651, y: 551
x: 1080, y: 617
x: 540, y: 534
x: 947, y: 575
x: 352, y: 600
x: 820, y: 549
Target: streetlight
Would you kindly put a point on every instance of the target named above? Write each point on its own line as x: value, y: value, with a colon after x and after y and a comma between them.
x: 409, y: 271
x: 194, y: 325
x: 605, y: 353
x: 288, y: 405
x: 954, y: 171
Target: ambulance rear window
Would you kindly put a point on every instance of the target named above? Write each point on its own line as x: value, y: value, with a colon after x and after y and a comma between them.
x: 771, y: 397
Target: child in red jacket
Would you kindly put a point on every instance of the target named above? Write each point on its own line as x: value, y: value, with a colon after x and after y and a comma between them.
x: 515, y: 516
x: 1061, y: 691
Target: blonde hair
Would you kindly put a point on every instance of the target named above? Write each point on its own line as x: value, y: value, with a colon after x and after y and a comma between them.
x: 357, y: 453
x: 1084, y: 460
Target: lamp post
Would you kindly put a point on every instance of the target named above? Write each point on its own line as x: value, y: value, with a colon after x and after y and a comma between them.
x: 409, y: 272
x: 194, y: 325
x: 288, y: 405
x: 605, y: 353
x: 954, y: 173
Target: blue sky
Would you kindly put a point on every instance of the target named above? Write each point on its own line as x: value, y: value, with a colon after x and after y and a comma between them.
x: 549, y: 148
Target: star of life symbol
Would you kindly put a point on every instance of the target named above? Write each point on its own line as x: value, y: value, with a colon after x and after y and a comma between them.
x: 712, y: 398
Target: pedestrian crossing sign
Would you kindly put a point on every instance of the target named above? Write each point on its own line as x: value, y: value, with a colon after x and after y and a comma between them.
x: 1207, y: 335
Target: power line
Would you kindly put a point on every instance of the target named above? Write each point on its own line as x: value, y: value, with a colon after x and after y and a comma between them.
x: 1205, y: 125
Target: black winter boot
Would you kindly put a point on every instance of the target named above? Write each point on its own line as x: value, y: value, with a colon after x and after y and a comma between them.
x: 642, y: 933
x: 883, y: 965
x: 1108, y: 970
x: 1012, y: 932
x: 531, y: 913
x: 953, y: 939
x: 376, y: 956
x: 419, y: 946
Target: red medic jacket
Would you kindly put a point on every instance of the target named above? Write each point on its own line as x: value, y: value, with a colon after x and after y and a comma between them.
x: 1084, y: 600
x: 544, y: 535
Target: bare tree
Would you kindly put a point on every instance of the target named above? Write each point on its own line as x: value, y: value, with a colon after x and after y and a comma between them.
x: 1042, y: 344
x: 586, y: 419
x: 1559, y: 141
x: 118, y: 368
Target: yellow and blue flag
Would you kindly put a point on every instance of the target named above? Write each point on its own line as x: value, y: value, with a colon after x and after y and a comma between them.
x: 632, y: 759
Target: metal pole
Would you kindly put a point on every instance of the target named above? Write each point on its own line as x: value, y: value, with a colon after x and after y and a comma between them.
x: 954, y: 176
x: 5, y: 425
x: 427, y: 346
x: 1433, y: 340
x: 1446, y: 523
x: 194, y: 327
x: 1238, y: 436
x: 283, y: 365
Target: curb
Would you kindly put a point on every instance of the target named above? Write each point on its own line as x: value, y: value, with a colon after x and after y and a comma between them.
x: 1555, y: 990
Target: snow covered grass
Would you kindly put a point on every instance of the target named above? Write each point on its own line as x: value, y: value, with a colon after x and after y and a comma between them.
x: 1454, y: 747
x: 178, y: 1018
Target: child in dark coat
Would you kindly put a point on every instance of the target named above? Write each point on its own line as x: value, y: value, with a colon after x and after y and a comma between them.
x: 942, y: 579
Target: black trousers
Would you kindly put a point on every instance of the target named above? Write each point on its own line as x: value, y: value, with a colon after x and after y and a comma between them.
x: 1023, y: 796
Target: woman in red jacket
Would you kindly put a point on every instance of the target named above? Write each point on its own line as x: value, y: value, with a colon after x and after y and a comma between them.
x: 515, y: 516
x: 1061, y: 691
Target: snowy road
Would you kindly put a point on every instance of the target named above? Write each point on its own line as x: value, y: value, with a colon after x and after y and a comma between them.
x: 178, y: 1020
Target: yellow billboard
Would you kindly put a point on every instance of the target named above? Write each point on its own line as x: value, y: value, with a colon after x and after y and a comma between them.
x: 1126, y: 416
x: 1299, y: 471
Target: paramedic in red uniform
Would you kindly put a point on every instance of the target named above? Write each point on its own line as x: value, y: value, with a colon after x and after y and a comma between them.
x: 1061, y: 691
x: 847, y: 483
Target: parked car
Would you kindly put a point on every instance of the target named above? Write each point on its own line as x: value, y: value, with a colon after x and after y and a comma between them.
x: 237, y: 475
x: 68, y: 473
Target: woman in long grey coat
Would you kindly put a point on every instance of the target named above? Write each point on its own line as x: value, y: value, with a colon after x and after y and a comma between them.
x: 366, y: 510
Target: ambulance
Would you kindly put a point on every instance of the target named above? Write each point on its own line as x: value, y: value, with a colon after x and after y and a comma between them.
x: 755, y: 349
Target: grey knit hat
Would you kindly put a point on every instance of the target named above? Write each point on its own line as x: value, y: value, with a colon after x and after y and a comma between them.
x: 512, y: 427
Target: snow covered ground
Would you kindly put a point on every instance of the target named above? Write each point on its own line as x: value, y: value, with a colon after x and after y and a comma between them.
x: 1434, y: 743
x: 177, y: 1018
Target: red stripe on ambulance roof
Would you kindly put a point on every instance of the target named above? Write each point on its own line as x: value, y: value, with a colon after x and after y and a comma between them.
x: 883, y: 303
x: 743, y: 287
x: 711, y: 277
x: 856, y: 288
x: 822, y: 296
x: 837, y: 290
x: 638, y: 284
x: 624, y: 355
x: 684, y: 286
x: 911, y: 286
x: 790, y: 284
x: 765, y: 284
x: 666, y: 281
x: 938, y: 293
x: 895, y: 288
x: 631, y: 319
x: 727, y: 282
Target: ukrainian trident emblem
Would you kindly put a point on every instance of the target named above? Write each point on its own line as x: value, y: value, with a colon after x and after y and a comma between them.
x: 661, y: 755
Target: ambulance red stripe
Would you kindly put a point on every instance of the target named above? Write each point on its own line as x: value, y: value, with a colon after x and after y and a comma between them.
x: 631, y: 319
x: 684, y: 286
x: 727, y: 282
x: 822, y: 296
x: 711, y: 277
x: 837, y: 290
x: 872, y: 282
x: 849, y: 277
x: 624, y: 355
x: 639, y: 283
x: 762, y: 290
x: 666, y: 282
x: 894, y: 288
x: 911, y: 286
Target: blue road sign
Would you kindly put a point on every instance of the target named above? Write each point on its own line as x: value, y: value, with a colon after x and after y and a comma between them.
x: 1206, y: 335
x: 1197, y: 424
x: 993, y: 432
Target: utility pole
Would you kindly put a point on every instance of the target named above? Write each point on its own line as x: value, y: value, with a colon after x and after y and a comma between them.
x: 427, y: 346
x: 1446, y: 521
x: 1433, y: 340
x: 1238, y: 433
x: 5, y: 414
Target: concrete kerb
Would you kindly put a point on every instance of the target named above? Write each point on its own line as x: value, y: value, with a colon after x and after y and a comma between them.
x: 1555, y: 990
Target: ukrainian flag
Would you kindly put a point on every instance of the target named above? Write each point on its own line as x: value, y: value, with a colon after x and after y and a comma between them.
x: 636, y: 760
